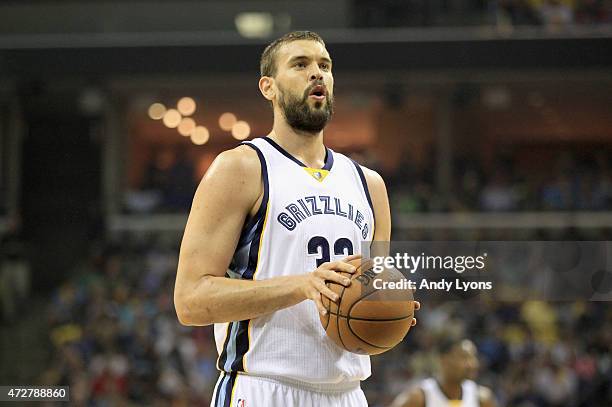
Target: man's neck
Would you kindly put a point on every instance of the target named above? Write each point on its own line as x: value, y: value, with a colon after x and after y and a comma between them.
x: 450, y: 388
x: 308, y: 148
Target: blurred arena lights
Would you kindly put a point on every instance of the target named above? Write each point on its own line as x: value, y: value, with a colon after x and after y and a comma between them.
x: 200, y: 135
x: 157, y: 111
x: 91, y: 101
x: 227, y: 121
x: 496, y: 97
x: 241, y: 130
x: 172, y: 118
x: 187, y: 126
x: 186, y: 106
x: 254, y: 24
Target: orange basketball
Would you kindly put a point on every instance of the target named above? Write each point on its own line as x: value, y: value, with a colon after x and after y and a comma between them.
x: 367, y: 320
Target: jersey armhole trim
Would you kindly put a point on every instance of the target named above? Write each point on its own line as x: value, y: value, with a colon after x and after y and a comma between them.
x: 237, y: 343
x: 364, y: 183
x: 261, y: 211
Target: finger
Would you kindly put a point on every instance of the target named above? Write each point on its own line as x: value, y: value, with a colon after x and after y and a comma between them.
x: 414, y: 322
x: 324, y: 290
x: 330, y: 275
x: 341, y: 266
x: 319, y: 304
x: 352, y: 257
x: 417, y: 305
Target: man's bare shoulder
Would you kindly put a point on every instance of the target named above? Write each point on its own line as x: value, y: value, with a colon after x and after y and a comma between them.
x: 373, y: 178
x: 486, y: 397
x: 239, y: 165
x: 241, y: 160
x: 413, y: 397
x: 234, y: 173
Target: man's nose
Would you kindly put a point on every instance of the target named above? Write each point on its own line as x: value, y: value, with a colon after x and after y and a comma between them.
x: 316, y: 74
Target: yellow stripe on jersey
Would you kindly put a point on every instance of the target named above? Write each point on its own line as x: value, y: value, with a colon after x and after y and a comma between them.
x: 317, y: 173
x: 234, y: 389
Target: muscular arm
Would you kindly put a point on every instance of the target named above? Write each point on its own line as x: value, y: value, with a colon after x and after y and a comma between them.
x: 410, y: 398
x: 227, y: 194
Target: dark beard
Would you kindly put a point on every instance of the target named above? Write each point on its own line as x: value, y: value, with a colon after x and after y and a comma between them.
x: 301, y: 117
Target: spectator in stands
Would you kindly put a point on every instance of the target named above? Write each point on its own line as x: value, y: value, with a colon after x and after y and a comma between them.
x: 117, y: 342
x: 590, y: 11
x: 498, y: 194
x: 14, y: 270
x: 559, y: 194
x: 170, y: 176
x: 556, y: 14
x: 519, y: 12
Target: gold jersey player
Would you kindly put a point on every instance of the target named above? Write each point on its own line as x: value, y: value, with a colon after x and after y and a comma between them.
x: 271, y: 221
x: 454, y: 386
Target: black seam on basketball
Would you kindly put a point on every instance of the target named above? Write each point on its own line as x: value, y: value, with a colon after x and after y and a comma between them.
x: 348, y: 318
x: 371, y: 319
x: 337, y: 319
x: 348, y: 322
x: 361, y: 339
x: 361, y: 298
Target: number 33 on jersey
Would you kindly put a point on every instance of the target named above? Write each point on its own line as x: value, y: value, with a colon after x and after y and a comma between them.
x: 308, y: 216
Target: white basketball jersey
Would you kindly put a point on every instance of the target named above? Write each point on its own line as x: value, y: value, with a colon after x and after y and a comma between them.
x: 434, y: 397
x: 307, y: 217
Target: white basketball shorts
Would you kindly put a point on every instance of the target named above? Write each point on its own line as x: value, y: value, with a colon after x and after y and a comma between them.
x: 242, y: 390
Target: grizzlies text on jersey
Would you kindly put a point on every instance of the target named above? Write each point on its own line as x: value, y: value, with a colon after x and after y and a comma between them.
x: 308, y: 216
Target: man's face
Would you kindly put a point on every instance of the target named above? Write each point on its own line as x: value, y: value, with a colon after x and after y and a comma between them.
x: 462, y: 361
x: 305, y: 85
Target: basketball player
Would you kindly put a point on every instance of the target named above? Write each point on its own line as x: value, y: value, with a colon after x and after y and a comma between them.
x: 284, y: 214
x: 454, y: 387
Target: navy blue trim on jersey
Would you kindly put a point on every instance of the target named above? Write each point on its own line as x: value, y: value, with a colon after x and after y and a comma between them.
x: 258, y: 220
x: 242, y: 346
x: 230, y: 390
x: 219, y: 389
x: 223, y: 356
x: 329, y: 156
x: 261, y: 212
x: 365, y: 188
x: 243, y: 265
x: 225, y: 389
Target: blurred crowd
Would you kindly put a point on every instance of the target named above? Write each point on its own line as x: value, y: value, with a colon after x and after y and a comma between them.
x: 577, y: 183
x: 532, y: 354
x: 117, y: 341
x: 414, y: 13
x: 15, y: 271
x: 167, y: 185
x: 552, y: 13
x: 116, y: 336
x: 581, y: 183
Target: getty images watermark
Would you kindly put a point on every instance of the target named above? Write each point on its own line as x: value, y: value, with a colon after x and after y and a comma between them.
x: 499, y: 270
x: 410, y: 264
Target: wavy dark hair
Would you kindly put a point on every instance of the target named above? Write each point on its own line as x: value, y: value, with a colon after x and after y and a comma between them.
x: 267, y: 62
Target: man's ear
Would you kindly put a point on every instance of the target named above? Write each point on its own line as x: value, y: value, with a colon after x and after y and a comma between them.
x: 266, y: 87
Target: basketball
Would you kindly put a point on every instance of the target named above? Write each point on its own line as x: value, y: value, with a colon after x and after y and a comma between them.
x: 368, y: 320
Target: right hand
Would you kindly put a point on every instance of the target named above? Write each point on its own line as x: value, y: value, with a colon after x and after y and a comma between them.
x: 313, y: 286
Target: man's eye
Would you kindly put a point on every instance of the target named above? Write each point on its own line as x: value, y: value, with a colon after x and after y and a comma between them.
x: 324, y: 66
x: 300, y: 65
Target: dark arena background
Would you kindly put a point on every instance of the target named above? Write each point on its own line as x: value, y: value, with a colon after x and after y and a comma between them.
x: 488, y: 120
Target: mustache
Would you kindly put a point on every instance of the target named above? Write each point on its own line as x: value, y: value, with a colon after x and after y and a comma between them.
x: 314, y: 85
